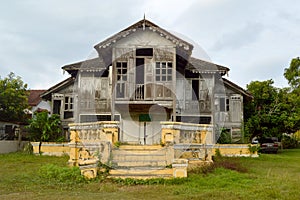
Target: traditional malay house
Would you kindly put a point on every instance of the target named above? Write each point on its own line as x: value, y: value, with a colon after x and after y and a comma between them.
x: 144, y: 76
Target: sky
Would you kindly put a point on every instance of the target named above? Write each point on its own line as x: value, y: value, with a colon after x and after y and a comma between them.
x: 256, y: 39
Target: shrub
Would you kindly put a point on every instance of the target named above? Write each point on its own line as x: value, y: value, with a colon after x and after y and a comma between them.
x: 225, y: 137
x: 289, y: 142
x: 28, y: 148
x: 45, y: 128
x: 54, y: 173
x: 253, y: 148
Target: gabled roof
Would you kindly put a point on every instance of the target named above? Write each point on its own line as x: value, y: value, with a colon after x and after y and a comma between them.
x: 34, y: 97
x: 95, y: 64
x: 57, y: 87
x: 196, y: 65
x: 145, y: 24
x: 237, y: 88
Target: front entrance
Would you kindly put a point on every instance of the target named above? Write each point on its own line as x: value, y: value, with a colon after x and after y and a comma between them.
x: 142, y: 124
x: 145, y: 122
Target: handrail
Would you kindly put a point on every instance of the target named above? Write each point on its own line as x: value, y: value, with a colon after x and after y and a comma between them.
x: 139, y: 92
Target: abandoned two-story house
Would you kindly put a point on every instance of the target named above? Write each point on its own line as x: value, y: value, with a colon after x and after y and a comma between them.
x: 144, y: 75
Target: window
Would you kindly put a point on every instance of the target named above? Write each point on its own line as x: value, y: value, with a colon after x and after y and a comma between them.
x: 121, y: 78
x: 163, y: 71
x: 96, y: 118
x: 122, y: 71
x: 224, y: 104
x: 120, y: 90
x: 68, y: 103
x: 144, y: 52
x: 194, y: 119
x: 69, y: 106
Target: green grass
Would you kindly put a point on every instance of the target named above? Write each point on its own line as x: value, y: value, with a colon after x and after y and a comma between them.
x: 271, y: 176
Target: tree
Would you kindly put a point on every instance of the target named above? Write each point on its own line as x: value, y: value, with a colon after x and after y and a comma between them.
x: 45, y: 128
x: 262, y: 115
x: 13, y: 98
x: 274, y: 111
x: 292, y: 74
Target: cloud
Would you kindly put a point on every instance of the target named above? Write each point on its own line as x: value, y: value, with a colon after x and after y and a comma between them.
x: 239, y: 38
x: 37, y: 38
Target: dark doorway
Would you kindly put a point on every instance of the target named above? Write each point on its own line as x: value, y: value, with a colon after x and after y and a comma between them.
x: 56, y: 107
x: 195, y: 86
x: 140, y: 71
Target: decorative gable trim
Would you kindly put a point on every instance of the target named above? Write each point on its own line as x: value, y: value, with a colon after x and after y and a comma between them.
x: 145, y: 24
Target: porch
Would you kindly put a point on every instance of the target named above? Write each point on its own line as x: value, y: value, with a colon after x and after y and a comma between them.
x: 93, y: 143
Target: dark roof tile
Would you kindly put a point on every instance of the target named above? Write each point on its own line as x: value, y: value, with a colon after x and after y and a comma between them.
x: 34, y: 97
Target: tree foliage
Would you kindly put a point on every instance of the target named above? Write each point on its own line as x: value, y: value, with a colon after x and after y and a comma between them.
x: 262, y: 113
x: 292, y: 73
x: 45, y: 128
x: 13, y: 98
x: 274, y: 111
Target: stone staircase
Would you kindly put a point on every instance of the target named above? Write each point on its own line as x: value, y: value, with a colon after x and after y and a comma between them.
x: 141, y: 162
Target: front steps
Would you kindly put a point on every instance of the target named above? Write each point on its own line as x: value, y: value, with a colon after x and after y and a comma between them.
x: 141, y: 162
x: 141, y: 173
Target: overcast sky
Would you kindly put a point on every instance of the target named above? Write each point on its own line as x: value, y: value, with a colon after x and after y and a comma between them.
x: 256, y: 39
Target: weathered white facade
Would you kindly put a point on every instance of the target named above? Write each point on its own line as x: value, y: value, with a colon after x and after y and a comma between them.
x: 144, y: 75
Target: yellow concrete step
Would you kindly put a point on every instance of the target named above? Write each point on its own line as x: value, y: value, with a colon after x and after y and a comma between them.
x: 137, y: 152
x: 141, y: 173
x: 140, y: 163
x: 141, y: 147
x: 138, y: 157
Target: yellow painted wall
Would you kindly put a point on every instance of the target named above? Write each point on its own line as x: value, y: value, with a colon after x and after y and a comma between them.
x: 51, y: 148
x: 233, y: 150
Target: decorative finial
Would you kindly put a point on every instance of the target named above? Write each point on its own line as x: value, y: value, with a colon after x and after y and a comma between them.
x: 144, y: 24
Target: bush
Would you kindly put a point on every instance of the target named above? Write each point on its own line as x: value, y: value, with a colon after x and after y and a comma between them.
x: 225, y: 137
x: 253, y: 148
x: 55, y: 173
x: 289, y: 142
x: 45, y: 128
x: 28, y: 148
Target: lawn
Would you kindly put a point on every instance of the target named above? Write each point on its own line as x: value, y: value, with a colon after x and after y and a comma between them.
x: 271, y: 176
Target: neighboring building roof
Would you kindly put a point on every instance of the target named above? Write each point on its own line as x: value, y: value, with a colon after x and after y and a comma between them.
x: 237, y: 88
x: 200, y: 66
x: 143, y: 24
x: 57, y: 87
x: 34, y: 97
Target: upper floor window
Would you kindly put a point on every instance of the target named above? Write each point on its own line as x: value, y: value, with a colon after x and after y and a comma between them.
x: 163, y: 71
x: 69, y: 107
x: 144, y: 52
x: 122, y: 71
x: 68, y: 103
x: 224, y: 104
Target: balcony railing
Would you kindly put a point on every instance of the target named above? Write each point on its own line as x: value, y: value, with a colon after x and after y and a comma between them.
x: 139, y: 92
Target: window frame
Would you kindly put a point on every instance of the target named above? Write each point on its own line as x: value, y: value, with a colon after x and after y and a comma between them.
x: 69, y: 103
x: 122, y: 78
x: 163, y: 74
x: 224, y: 104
